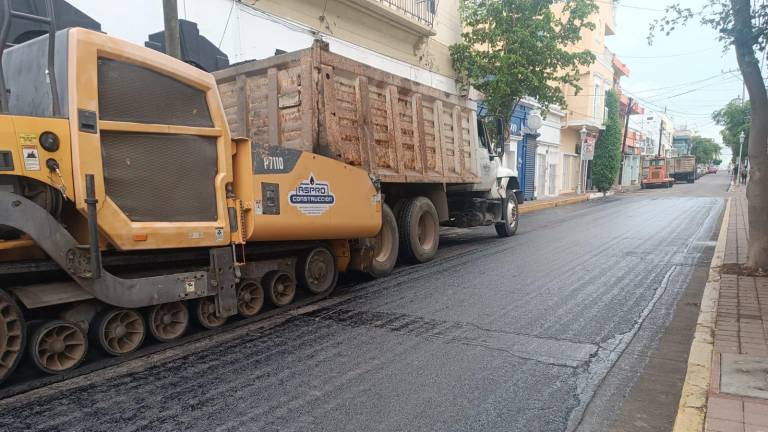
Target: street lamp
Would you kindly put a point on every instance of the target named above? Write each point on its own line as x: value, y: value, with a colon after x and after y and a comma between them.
x: 583, y: 173
x: 741, y: 145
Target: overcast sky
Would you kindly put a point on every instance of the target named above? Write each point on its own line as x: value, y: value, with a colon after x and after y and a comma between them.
x: 686, y: 72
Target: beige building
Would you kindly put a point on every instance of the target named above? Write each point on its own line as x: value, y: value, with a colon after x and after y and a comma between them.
x: 414, y: 32
x: 587, y: 108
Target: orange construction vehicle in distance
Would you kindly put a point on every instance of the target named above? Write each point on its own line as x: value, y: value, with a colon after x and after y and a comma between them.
x: 656, y: 173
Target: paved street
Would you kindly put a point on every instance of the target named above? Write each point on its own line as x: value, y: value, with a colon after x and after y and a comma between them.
x: 547, y: 331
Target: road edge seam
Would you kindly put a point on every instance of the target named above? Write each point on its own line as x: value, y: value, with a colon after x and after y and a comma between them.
x: 537, y: 206
x: 692, y: 409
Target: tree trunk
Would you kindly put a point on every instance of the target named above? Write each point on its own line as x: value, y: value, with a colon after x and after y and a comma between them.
x: 757, y: 190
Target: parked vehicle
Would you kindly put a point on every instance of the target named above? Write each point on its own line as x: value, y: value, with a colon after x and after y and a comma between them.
x: 683, y: 168
x: 655, y: 173
x: 712, y: 169
x: 433, y: 158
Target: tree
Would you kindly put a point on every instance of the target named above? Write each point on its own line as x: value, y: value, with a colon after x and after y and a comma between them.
x: 605, y: 166
x: 735, y: 120
x: 706, y: 150
x: 514, y: 49
x: 746, y: 29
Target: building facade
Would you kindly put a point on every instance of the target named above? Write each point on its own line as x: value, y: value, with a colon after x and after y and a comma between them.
x: 586, y: 109
x: 658, y: 127
x: 409, y: 38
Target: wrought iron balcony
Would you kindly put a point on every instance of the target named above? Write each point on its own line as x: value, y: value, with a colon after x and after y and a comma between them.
x: 422, y: 11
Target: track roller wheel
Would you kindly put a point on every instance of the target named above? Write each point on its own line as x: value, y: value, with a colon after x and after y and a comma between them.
x: 250, y: 298
x: 204, y: 309
x: 13, y: 335
x: 316, y: 270
x: 58, y: 346
x: 168, y: 321
x: 119, y: 331
x: 419, y: 229
x: 280, y: 287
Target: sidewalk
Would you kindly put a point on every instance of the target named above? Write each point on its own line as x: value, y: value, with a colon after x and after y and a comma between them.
x: 726, y: 386
x: 565, y: 199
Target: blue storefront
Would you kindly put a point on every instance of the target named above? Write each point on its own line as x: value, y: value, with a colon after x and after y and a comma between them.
x: 526, y: 151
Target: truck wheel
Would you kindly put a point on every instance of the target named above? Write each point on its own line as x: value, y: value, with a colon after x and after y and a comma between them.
x: 387, y: 245
x: 510, y: 218
x: 316, y: 270
x: 13, y: 335
x: 419, y: 229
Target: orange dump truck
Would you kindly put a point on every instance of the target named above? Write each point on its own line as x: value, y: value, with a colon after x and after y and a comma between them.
x: 656, y: 173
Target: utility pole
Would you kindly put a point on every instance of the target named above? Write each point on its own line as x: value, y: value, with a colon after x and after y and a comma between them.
x: 661, y: 133
x: 171, y: 20
x: 624, y: 140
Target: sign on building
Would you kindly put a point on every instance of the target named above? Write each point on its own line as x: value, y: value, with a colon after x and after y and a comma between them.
x: 588, y: 149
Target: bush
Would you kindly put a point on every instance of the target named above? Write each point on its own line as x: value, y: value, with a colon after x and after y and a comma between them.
x: 607, y: 160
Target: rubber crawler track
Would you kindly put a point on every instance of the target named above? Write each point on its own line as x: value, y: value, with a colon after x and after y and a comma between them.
x: 39, y: 380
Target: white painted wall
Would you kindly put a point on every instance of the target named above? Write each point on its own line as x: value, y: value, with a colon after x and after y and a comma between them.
x: 249, y: 34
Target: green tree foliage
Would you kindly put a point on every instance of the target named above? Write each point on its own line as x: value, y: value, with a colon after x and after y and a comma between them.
x: 605, y: 166
x: 735, y: 119
x: 743, y: 25
x: 517, y: 48
x: 706, y: 150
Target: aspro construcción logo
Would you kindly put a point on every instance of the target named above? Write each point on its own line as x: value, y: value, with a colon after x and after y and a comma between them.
x: 312, y: 197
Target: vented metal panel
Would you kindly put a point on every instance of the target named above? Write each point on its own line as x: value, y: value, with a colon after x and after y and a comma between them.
x: 135, y: 94
x: 154, y: 177
x: 529, y: 167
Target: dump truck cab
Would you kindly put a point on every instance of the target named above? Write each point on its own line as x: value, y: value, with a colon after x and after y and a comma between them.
x: 656, y: 173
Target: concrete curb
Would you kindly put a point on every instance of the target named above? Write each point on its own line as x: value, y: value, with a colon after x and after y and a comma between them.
x: 533, y: 206
x: 692, y: 408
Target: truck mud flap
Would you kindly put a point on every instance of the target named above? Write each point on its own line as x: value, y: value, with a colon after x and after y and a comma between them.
x: 26, y: 216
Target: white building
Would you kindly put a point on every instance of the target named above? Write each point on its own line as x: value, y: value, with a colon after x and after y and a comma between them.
x: 654, y: 125
x: 548, y: 157
x: 409, y: 43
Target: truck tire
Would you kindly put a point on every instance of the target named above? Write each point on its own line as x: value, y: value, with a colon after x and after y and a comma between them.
x: 510, y: 218
x: 419, y: 229
x: 387, y: 245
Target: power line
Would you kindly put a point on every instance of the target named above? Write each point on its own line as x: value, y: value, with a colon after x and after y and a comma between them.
x: 226, y: 25
x: 668, y: 56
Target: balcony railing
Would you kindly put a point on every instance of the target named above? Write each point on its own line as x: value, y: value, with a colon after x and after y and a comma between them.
x: 422, y: 11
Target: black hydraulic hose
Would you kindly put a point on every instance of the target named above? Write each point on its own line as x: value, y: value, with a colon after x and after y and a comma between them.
x: 93, y: 229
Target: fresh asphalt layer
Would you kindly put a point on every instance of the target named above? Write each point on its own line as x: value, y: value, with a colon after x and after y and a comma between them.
x: 557, y: 328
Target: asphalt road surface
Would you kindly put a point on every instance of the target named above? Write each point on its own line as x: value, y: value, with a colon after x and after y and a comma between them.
x: 562, y: 327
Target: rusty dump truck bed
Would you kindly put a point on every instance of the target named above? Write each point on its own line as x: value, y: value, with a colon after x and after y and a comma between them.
x: 315, y: 100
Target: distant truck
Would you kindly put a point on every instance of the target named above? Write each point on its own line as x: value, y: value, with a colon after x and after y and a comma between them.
x: 683, y: 168
x: 656, y: 173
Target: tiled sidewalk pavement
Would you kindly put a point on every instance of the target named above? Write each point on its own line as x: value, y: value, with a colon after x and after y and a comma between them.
x: 738, y: 401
